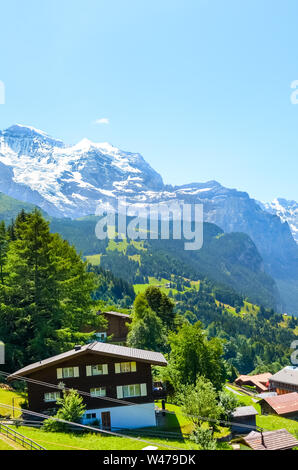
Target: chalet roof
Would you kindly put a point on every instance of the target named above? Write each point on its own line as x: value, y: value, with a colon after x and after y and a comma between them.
x: 243, y: 411
x: 288, y: 375
x: 258, y: 380
x: 272, y: 440
x: 263, y: 378
x: 115, y: 314
x: 283, y: 404
x: 106, y: 349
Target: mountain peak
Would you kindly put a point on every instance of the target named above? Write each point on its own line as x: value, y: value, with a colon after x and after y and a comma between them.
x: 86, y: 144
x: 20, y: 131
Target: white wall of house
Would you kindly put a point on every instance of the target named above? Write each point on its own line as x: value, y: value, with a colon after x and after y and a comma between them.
x: 126, y: 417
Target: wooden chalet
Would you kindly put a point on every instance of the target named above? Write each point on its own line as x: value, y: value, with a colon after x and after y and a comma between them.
x: 284, y: 381
x: 114, y: 376
x: 117, y: 327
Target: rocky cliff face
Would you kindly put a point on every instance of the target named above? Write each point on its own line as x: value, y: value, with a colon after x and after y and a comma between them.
x: 286, y: 210
x: 70, y: 181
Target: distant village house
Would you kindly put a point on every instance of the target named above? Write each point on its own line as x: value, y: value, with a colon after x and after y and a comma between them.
x: 260, y: 382
x: 284, y: 381
x: 285, y: 405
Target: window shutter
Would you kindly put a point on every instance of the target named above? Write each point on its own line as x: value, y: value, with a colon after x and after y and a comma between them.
x: 88, y: 371
x: 105, y: 369
x: 133, y: 367
x: 76, y: 372
x: 59, y: 374
x: 119, y: 392
x: 117, y: 368
x: 143, y: 390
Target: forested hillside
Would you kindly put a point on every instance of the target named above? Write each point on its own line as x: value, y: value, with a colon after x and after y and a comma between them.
x: 230, y: 259
x: 49, y: 295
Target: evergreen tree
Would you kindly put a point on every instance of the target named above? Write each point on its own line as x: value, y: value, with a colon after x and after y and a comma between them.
x: 3, y: 249
x: 71, y: 408
x: 146, y: 330
x: 46, y: 299
x: 161, y: 304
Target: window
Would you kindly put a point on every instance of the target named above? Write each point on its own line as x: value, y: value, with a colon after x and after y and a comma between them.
x: 101, y: 336
x: 98, y: 392
x: 91, y: 416
x: 129, y: 391
x: 124, y: 367
x: 97, y: 369
x: 68, y: 372
x: 51, y: 396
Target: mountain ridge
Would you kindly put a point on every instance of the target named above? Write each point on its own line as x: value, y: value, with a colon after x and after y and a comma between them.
x: 71, y: 181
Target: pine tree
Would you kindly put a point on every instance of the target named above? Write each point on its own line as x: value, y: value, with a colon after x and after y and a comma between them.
x: 46, y: 300
x: 3, y: 249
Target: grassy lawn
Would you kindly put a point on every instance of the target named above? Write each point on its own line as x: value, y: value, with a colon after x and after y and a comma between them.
x: 8, y: 398
x: 122, y: 246
x: 96, y: 441
x: 245, y: 309
x: 272, y: 422
x: 175, y: 423
x: 94, y: 260
x: 139, y: 288
x: 178, y: 422
x: 4, y: 446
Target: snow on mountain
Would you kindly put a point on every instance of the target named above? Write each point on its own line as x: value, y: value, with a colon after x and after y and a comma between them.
x: 287, y: 211
x: 68, y: 181
x: 71, y: 180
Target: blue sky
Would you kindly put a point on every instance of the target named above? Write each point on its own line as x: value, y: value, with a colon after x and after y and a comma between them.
x: 200, y: 87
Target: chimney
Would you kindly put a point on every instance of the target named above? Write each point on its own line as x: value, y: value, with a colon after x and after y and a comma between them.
x: 77, y: 347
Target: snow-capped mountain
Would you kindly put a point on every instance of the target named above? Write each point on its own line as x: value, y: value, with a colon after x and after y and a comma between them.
x: 71, y: 181
x: 68, y: 181
x: 287, y: 211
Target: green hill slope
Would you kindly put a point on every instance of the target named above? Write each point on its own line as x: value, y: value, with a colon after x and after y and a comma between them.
x: 230, y: 259
x: 10, y: 207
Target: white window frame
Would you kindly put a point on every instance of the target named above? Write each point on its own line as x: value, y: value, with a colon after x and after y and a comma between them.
x: 125, y: 367
x: 63, y: 373
x: 91, y: 370
x: 126, y: 391
x: 51, y: 397
x: 102, y: 392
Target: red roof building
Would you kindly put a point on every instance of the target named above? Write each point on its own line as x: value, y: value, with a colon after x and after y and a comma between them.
x: 260, y: 381
x: 283, y: 405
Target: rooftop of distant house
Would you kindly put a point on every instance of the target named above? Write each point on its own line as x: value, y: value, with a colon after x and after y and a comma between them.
x: 259, y: 380
x: 243, y: 411
x: 288, y: 375
x: 271, y: 440
x: 283, y: 404
x: 114, y: 314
